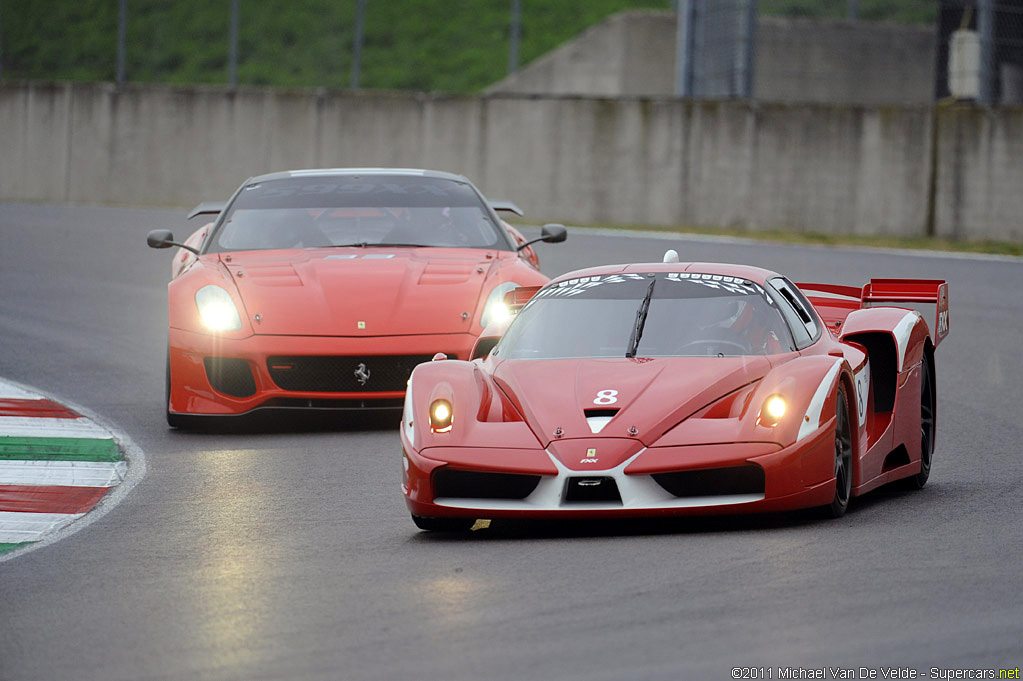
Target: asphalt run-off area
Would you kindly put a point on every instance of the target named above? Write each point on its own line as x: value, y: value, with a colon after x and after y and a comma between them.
x: 286, y: 551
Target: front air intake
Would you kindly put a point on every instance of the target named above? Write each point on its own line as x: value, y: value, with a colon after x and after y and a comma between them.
x: 367, y: 373
x: 596, y: 419
x: 453, y: 483
x: 711, y: 482
x: 592, y: 490
x: 230, y: 376
x: 333, y: 404
x: 599, y: 413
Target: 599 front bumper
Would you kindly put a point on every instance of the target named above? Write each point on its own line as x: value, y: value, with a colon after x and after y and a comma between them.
x: 700, y: 479
x: 211, y: 375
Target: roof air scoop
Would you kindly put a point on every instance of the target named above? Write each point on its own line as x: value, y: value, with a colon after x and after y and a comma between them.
x: 670, y: 255
x: 598, y: 418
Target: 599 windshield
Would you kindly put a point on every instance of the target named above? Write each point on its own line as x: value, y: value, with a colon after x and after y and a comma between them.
x: 648, y: 315
x: 348, y: 210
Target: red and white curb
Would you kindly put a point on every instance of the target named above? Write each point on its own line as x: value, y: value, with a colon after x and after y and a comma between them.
x: 60, y: 468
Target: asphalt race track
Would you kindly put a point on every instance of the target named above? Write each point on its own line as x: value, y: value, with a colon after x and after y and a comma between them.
x: 288, y: 552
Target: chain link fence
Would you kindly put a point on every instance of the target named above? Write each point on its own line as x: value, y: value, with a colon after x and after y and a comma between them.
x: 980, y: 51
x: 716, y: 46
x: 449, y: 45
x: 723, y: 48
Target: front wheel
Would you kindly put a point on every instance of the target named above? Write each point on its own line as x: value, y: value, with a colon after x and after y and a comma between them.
x: 843, y: 458
x: 443, y: 524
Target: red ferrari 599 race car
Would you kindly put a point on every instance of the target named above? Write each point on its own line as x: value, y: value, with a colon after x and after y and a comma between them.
x: 322, y: 289
x: 673, y: 388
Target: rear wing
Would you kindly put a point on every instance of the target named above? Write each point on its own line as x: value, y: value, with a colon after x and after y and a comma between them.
x: 208, y: 208
x: 506, y: 207
x: 882, y: 291
x: 517, y: 298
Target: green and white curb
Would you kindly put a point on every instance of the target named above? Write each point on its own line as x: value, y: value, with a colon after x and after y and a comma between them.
x: 61, y: 468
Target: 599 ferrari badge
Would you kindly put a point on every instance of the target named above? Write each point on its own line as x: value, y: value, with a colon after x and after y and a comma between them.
x: 591, y: 456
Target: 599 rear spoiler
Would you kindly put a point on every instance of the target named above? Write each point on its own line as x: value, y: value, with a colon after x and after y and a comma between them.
x: 208, y: 208
x: 880, y: 291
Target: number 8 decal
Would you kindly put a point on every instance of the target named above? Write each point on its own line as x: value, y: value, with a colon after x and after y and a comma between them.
x: 606, y: 397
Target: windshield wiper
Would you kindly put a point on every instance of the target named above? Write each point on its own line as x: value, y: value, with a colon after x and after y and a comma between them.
x: 637, y: 328
x: 366, y: 244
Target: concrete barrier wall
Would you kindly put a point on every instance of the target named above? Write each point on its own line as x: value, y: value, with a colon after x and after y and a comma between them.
x: 631, y: 53
x: 643, y: 161
x: 797, y: 60
x: 723, y: 164
x: 979, y: 183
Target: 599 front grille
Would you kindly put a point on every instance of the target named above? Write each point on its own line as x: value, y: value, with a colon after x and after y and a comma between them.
x: 375, y: 373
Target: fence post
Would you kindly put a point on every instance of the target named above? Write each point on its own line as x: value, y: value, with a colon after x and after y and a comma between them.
x: 360, y: 19
x: 232, y: 49
x: 122, y: 36
x: 515, y: 36
x: 747, y: 43
x: 853, y: 9
x: 684, y: 20
x: 986, y: 29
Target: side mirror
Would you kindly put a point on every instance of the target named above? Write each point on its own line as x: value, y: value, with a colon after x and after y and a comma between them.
x: 163, y: 238
x: 553, y: 233
x: 160, y: 238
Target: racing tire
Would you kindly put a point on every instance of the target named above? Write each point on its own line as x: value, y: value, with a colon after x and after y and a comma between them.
x: 843, y: 458
x: 928, y: 426
x: 443, y: 524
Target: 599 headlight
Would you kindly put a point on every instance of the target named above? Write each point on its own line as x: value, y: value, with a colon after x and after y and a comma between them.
x: 216, y: 309
x: 496, y: 311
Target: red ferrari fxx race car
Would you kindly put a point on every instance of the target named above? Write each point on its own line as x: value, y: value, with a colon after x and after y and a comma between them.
x: 322, y: 289
x: 674, y: 388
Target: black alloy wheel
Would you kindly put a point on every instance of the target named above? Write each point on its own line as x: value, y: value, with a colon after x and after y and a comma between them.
x: 928, y: 424
x: 843, y: 457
